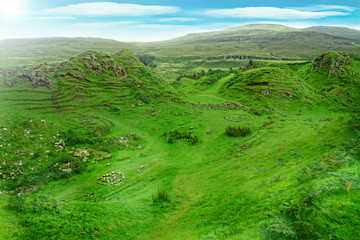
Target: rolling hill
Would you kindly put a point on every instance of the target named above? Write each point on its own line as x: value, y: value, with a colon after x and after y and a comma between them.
x: 97, y: 147
x: 271, y: 42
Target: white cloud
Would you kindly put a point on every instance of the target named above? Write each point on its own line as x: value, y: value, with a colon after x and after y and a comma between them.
x: 179, y: 19
x: 325, y: 8
x: 92, y: 25
x: 271, y: 13
x: 111, y: 9
x: 50, y: 18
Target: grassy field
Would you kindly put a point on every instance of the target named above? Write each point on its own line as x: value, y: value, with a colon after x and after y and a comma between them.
x: 294, y: 176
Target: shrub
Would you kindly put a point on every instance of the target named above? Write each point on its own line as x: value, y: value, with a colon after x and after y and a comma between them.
x: 173, y: 135
x: 16, y: 203
x: 237, y: 131
x: 194, y: 140
x: 142, y: 97
x: 213, y: 76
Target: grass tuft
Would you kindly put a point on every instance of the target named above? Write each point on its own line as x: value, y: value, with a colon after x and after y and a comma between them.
x: 237, y: 131
x: 160, y: 196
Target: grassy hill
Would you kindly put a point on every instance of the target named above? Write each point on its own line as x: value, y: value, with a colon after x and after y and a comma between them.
x: 336, y: 31
x: 266, y: 41
x: 81, y: 159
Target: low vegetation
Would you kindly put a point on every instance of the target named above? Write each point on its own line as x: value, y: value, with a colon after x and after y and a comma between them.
x: 186, y: 136
x: 237, y: 131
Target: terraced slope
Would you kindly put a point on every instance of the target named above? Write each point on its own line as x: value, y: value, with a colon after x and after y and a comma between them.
x: 89, y: 80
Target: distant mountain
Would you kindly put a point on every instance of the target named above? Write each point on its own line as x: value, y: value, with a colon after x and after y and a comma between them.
x: 262, y: 40
x: 336, y: 31
x: 266, y: 41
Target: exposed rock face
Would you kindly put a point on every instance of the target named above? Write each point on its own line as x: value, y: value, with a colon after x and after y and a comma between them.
x: 36, y: 79
x: 118, y: 71
x: 96, y: 64
x: 335, y: 63
x: 6, y: 76
x: 92, y: 63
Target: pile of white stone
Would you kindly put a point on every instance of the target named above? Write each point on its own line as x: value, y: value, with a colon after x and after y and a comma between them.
x: 113, y: 178
x: 60, y: 145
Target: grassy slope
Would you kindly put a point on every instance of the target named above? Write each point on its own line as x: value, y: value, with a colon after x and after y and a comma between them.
x: 220, y: 188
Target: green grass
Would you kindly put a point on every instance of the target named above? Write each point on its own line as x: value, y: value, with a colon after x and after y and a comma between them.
x: 286, y: 180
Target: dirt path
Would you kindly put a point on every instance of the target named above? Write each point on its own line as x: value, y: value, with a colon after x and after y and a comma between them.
x: 54, y: 101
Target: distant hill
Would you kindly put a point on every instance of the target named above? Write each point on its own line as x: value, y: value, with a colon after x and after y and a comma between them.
x: 265, y: 41
x: 24, y: 52
x: 268, y: 41
x: 336, y: 31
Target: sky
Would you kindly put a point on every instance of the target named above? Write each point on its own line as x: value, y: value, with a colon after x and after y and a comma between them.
x: 155, y: 20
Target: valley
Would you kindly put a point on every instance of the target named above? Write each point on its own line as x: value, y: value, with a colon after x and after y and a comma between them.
x: 96, y: 145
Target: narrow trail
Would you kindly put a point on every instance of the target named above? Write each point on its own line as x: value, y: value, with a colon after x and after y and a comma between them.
x: 54, y: 101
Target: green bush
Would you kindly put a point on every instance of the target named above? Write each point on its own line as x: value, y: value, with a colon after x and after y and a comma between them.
x: 142, y: 97
x: 74, y: 138
x: 173, y: 135
x: 213, y: 76
x: 194, y: 140
x: 237, y: 131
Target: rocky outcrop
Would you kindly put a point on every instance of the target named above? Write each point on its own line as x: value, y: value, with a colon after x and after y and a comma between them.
x: 36, y: 79
x: 92, y: 63
x: 336, y: 67
x: 96, y: 63
x: 118, y: 71
x: 334, y: 62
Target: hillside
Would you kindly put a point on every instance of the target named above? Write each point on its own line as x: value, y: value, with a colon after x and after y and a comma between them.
x: 88, y: 80
x: 99, y: 148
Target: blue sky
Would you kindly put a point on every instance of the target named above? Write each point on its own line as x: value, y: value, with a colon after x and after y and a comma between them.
x: 152, y: 20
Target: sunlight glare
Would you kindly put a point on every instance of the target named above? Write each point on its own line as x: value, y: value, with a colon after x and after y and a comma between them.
x: 10, y: 8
